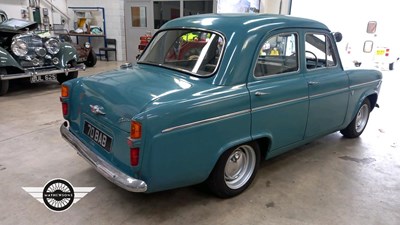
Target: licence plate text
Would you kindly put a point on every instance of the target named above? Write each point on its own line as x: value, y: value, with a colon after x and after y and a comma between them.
x: 97, y: 136
x: 42, y: 78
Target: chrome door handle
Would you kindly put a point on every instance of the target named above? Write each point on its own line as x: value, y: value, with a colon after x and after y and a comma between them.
x: 260, y: 93
x: 313, y: 82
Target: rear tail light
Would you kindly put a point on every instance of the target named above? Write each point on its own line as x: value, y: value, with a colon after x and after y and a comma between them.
x: 387, y: 52
x: 65, y: 108
x: 134, y: 156
x: 136, y: 130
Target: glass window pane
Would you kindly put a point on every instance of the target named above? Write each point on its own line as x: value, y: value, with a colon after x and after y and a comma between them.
x: 319, y: 51
x: 193, y: 51
x: 278, y: 55
x: 197, y: 7
x: 138, y: 16
x: 164, y: 12
x: 371, y: 27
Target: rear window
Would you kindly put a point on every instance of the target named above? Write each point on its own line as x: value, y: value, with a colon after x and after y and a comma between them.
x: 193, y: 51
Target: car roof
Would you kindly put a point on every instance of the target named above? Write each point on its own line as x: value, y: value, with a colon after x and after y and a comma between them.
x: 228, y: 23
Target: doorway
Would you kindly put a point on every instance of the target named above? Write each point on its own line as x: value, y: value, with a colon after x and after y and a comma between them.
x: 143, y: 17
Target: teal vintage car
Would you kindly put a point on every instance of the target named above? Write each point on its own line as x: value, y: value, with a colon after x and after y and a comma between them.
x: 249, y: 87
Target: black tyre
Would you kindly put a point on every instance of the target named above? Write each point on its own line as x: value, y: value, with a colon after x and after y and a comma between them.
x: 234, y: 171
x: 3, y: 83
x: 391, y: 66
x: 91, y: 59
x: 358, y: 124
x: 61, y: 77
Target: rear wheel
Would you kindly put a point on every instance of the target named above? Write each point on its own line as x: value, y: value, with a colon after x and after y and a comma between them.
x: 3, y: 83
x: 62, y: 77
x: 391, y: 66
x: 358, y: 124
x: 91, y: 59
x: 235, y: 170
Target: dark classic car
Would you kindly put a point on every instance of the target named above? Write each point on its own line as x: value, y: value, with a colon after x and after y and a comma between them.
x: 255, y: 87
x: 27, y: 55
x: 85, y: 51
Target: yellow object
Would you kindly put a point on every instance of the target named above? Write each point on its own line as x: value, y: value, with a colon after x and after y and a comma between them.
x: 190, y: 37
x: 81, y: 22
x: 274, y: 51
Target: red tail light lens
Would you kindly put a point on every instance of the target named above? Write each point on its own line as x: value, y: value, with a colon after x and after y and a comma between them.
x: 65, y: 108
x: 134, y: 156
x: 136, y: 130
x: 387, y: 52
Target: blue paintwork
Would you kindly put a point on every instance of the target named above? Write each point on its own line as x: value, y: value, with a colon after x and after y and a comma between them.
x: 162, y: 100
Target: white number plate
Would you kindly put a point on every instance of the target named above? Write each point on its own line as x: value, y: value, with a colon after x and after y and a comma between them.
x: 42, y: 78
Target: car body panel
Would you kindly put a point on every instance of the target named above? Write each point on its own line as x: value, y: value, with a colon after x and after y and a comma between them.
x: 8, y: 60
x: 189, y: 121
x: 17, y: 25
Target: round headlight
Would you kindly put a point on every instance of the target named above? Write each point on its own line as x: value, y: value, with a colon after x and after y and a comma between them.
x: 87, y: 45
x: 19, y: 47
x: 52, y: 46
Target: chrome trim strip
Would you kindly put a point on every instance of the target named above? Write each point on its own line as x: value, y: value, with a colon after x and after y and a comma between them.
x: 104, y: 168
x: 329, y: 93
x: 280, y: 103
x: 366, y: 83
x: 212, y: 119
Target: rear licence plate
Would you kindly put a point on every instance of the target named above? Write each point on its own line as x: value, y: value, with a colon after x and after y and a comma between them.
x: 97, y: 136
x: 380, y: 52
x: 42, y: 78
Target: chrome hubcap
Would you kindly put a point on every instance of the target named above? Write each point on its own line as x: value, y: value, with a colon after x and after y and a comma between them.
x: 362, y: 118
x: 240, y: 166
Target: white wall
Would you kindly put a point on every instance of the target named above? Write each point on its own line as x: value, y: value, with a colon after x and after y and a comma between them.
x: 273, y: 6
x: 114, y: 16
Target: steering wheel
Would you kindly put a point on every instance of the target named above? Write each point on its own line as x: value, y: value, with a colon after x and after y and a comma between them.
x: 315, y: 56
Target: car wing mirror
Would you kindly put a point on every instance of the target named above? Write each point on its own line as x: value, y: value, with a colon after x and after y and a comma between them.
x: 338, y: 36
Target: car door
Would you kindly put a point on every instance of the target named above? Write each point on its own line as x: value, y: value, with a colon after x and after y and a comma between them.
x: 327, y: 84
x: 278, y: 91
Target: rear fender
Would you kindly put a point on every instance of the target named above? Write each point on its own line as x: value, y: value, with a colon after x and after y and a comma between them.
x: 372, y: 95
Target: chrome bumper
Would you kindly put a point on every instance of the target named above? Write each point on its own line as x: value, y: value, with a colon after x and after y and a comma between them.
x: 33, y: 72
x: 104, y: 168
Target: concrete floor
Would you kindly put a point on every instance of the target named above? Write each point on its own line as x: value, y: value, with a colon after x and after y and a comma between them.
x: 329, y: 181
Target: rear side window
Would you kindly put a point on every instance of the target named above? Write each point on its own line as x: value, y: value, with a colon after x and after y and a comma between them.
x: 278, y: 55
x: 319, y: 51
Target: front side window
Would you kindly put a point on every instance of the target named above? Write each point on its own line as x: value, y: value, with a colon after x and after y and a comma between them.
x: 319, y: 51
x: 194, y: 51
x: 279, y: 54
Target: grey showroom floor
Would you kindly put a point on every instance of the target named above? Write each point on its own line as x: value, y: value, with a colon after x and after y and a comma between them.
x: 329, y: 181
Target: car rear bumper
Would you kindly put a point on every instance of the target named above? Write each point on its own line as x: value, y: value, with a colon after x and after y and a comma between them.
x: 32, y: 72
x: 104, y: 168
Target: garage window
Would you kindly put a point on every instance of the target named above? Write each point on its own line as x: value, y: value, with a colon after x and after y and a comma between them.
x: 165, y: 11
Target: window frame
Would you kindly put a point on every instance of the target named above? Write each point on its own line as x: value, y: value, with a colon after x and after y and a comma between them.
x: 265, y: 39
x: 335, y: 54
x: 186, y: 71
